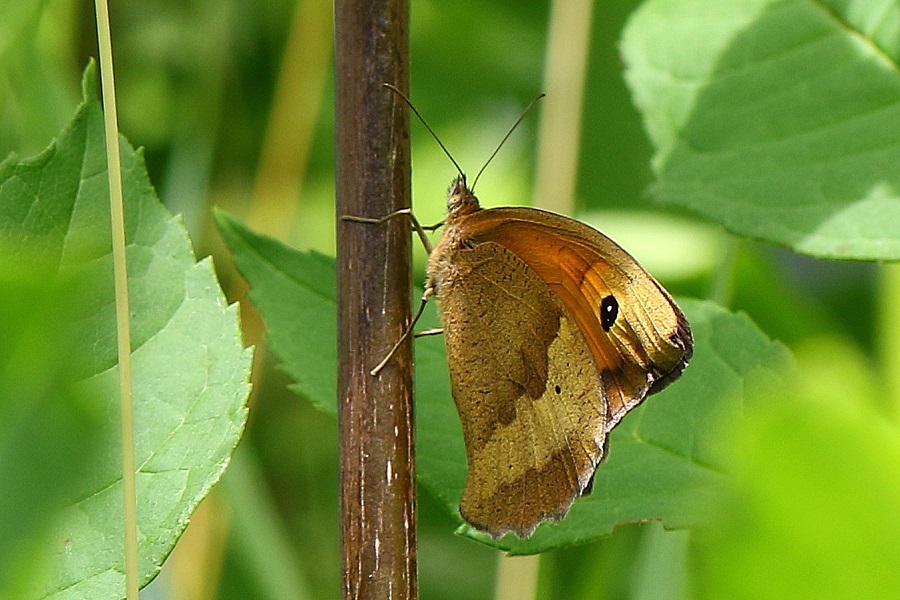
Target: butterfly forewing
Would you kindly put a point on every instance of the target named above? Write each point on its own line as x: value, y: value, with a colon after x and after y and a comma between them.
x: 649, y: 342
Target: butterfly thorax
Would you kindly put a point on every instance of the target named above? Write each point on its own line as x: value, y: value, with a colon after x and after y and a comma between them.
x: 460, y: 200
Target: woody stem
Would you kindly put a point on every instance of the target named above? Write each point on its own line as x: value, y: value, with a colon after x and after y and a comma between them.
x: 378, y: 541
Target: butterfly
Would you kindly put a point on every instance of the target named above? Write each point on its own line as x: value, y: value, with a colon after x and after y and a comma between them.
x: 553, y: 333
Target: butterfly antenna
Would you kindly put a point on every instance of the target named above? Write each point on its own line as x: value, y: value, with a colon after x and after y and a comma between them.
x: 505, y: 137
x: 427, y: 126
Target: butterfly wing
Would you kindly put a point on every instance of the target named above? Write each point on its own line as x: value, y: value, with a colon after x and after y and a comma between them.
x: 528, y: 394
x: 647, y: 343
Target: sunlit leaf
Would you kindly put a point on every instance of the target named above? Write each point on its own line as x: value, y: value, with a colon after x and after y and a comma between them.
x: 778, y: 118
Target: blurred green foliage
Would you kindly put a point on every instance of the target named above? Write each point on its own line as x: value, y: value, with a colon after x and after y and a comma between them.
x: 44, y: 461
x: 815, y: 511
x: 815, y: 461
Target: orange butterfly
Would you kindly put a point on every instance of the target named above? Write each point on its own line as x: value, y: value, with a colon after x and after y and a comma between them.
x: 553, y: 334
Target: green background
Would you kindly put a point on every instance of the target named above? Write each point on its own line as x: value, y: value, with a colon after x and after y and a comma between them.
x: 776, y: 121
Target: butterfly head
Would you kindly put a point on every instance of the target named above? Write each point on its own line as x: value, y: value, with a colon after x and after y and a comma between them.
x: 460, y: 199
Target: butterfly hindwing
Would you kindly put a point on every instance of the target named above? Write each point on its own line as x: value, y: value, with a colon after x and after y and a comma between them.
x: 525, y: 385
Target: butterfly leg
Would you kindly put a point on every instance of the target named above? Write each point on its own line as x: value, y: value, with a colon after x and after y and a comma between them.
x: 420, y: 229
x: 429, y: 292
x: 429, y: 286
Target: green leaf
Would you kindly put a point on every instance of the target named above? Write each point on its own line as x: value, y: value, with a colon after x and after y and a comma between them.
x: 296, y: 294
x: 190, y: 371
x: 779, y: 119
x: 665, y: 460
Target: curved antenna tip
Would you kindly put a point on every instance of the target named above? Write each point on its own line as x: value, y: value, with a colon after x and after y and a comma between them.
x: 505, y: 137
x: 409, y: 103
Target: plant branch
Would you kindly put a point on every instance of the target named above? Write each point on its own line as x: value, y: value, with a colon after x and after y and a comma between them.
x: 374, y: 284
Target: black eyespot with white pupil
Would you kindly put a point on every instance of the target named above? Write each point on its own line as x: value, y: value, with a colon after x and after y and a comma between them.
x: 609, y: 310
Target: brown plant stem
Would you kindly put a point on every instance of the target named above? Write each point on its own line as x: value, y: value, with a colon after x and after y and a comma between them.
x: 374, y: 284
